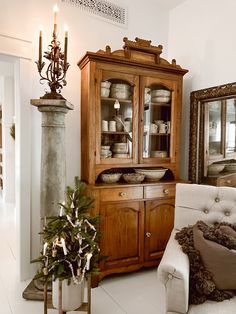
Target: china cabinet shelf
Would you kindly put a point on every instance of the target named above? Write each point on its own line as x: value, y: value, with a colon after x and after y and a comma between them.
x: 156, y: 134
x: 160, y: 104
x: 112, y: 100
x: 130, y: 211
x: 115, y: 133
x: 156, y: 104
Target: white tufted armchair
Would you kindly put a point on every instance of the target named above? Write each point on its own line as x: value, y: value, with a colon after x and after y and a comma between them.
x: 194, y: 202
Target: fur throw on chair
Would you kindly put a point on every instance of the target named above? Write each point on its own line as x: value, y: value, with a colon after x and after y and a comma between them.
x: 202, y: 286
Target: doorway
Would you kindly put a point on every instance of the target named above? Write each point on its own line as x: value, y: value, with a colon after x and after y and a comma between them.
x: 7, y: 142
x: 16, y: 53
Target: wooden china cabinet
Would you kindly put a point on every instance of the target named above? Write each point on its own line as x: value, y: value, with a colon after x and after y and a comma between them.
x: 131, y: 83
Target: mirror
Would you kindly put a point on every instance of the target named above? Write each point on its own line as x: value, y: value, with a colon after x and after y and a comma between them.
x: 212, y: 133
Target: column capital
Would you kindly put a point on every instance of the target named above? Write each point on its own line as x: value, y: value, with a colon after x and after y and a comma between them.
x: 52, y: 104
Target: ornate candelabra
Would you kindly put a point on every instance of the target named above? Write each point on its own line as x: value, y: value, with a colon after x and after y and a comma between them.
x: 55, y: 72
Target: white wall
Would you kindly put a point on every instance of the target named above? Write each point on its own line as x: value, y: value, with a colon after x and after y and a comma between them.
x: 21, y: 19
x: 202, y: 39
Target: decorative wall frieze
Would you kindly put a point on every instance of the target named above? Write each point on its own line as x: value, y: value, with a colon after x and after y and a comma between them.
x: 114, y: 13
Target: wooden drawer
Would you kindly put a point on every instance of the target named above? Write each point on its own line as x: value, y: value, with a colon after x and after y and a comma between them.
x: 121, y: 194
x: 154, y: 191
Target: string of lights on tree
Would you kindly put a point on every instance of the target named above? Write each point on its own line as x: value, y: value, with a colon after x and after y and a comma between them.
x: 70, y: 246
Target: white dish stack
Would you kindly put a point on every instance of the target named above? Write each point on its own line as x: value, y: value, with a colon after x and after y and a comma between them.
x: 105, y: 151
x: 120, y: 91
x: 160, y: 96
x: 120, y: 150
x: 105, y: 88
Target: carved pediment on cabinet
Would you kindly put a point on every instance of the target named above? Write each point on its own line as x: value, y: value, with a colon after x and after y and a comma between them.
x: 140, y: 52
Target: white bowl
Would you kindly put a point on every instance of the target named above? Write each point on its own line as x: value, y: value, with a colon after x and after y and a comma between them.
x: 120, y: 150
x: 120, y: 87
x: 215, y: 168
x: 120, y: 94
x: 105, y: 146
x: 106, y: 84
x: 160, y: 92
x: 120, y: 145
x: 231, y: 167
x: 105, y: 92
x: 152, y: 174
x: 133, y: 177
x: 164, y: 99
x: 110, y: 177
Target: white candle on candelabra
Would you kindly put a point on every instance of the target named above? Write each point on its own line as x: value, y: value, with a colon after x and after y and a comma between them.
x: 55, y: 10
x: 40, y: 43
x: 65, y: 50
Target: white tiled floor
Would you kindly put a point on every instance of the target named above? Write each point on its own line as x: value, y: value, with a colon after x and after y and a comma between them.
x: 135, y: 293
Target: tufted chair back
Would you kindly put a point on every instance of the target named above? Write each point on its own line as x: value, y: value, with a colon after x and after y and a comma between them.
x: 203, y: 202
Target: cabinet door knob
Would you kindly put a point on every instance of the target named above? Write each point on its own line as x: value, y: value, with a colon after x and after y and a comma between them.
x: 166, y: 191
x: 122, y: 194
x: 148, y: 234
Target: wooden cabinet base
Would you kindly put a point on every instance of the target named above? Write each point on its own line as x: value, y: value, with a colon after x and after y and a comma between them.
x: 134, y: 232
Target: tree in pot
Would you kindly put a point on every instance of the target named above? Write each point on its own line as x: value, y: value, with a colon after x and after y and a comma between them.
x: 70, y: 247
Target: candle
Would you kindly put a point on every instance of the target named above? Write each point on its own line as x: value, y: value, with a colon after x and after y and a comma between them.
x: 64, y: 246
x: 61, y: 211
x: 45, y: 248
x: 89, y: 256
x: 40, y: 43
x: 55, y: 10
x: 65, y: 51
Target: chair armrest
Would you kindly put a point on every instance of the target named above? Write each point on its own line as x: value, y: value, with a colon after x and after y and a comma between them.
x: 173, y: 272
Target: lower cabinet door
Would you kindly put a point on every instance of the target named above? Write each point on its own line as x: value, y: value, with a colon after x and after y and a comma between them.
x: 159, y: 221
x: 122, y: 228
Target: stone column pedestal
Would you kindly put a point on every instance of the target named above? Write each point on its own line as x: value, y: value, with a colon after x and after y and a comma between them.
x: 53, y: 168
x: 53, y: 155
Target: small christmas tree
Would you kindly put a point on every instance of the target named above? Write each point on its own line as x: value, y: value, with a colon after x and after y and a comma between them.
x: 70, y: 246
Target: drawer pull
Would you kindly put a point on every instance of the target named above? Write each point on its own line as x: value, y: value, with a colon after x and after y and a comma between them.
x: 166, y: 191
x: 148, y: 234
x: 228, y: 181
x: 122, y: 194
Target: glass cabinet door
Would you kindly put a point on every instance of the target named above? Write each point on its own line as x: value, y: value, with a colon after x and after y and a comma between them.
x: 117, y: 118
x: 230, y: 132
x: 157, y: 121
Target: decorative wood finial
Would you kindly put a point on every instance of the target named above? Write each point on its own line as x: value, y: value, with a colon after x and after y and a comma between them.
x: 108, y: 50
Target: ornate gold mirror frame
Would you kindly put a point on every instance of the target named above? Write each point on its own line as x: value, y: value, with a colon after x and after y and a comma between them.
x: 198, y: 100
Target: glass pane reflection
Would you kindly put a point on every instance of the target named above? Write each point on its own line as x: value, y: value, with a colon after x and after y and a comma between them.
x: 215, y: 128
x: 230, y: 144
